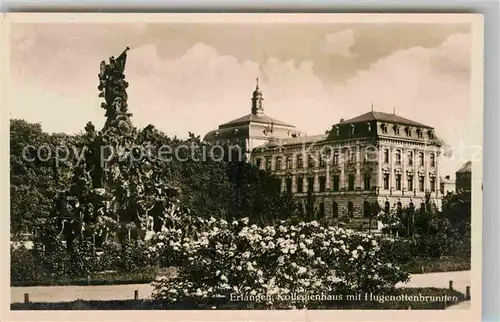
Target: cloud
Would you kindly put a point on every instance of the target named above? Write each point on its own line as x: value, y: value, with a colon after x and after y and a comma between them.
x: 428, y: 85
x: 339, y: 43
x: 202, y: 88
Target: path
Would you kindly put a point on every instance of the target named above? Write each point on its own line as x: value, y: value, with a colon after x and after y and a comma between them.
x: 123, y: 292
x: 461, y: 280
x: 87, y: 293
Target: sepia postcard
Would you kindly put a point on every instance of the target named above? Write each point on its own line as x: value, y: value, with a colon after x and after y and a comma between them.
x: 231, y: 167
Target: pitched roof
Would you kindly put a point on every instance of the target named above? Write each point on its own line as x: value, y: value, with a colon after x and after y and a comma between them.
x: 256, y: 119
x: 224, y: 134
x: 384, y: 117
x: 296, y: 140
x: 467, y: 167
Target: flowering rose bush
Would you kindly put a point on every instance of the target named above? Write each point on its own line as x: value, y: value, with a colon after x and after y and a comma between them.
x: 274, y: 263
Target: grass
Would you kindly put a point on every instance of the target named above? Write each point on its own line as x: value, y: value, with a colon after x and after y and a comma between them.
x: 224, y: 304
x: 142, y: 276
x: 437, y: 265
x: 146, y: 275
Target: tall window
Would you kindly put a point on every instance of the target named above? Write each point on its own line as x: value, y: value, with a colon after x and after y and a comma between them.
x: 278, y: 163
x: 310, y: 161
x: 336, y: 182
x: 366, y: 181
x: 366, y: 209
x: 268, y: 164
x: 410, y: 158
x: 289, y: 185
x: 335, y: 210
x: 350, y: 209
x: 352, y: 156
x: 384, y: 128
x: 410, y: 183
x: 398, y: 157
x: 387, y: 207
x: 396, y: 129
x: 420, y: 133
x: 351, y: 182
x: 310, y: 184
x: 386, y: 155
x: 335, y: 158
x: 300, y: 184
x: 322, y: 184
x: 421, y: 159
x: 421, y: 185
x: 433, y: 184
x: 321, y: 160
x: 432, y: 160
x: 321, y: 212
x: 398, y: 182
x: 288, y: 162
x: 300, y: 161
x: 386, y: 181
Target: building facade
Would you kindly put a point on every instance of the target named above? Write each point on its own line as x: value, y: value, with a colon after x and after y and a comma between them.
x: 463, y: 179
x: 372, y: 158
x: 447, y: 185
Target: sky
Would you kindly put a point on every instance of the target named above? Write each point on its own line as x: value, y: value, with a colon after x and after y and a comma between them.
x: 192, y: 77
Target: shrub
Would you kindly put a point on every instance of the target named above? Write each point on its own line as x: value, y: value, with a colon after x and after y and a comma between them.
x: 273, y: 262
x: 22, y: 264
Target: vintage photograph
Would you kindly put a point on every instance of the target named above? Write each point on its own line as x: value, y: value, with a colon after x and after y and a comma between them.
x: 246, y: 162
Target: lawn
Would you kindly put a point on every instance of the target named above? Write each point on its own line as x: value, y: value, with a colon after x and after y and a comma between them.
x: 146, y: 275
x: 437, y: 265
x: 142, y: 276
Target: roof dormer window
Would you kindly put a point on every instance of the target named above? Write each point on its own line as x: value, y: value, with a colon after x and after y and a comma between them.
x: 396, y: 129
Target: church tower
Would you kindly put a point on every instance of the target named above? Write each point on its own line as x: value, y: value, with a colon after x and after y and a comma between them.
x: 257, y: 99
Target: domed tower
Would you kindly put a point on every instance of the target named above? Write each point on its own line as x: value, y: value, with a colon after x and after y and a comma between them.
x: 257, y: 99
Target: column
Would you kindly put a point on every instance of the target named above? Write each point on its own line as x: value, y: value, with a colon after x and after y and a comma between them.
x: 328, y: 179
x: 404, y: 181
x: 358, y: 167
x: 305, y: 183
x: 380, y: 183
x: 437, y: 183
x: 316, y: 183
x: 283, y: 184
x: 342, y: 177
x: 392, y: 177
x: 426, y: 166
x: 294, y: 183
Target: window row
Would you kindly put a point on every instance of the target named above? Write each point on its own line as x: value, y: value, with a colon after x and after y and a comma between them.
x: 351, y: 179
x: 368, y: 209
x: 407, y: 130
x: 410, y: 158
x: 409, y: 186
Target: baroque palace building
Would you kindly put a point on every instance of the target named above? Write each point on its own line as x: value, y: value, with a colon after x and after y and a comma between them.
x: 374, y: 157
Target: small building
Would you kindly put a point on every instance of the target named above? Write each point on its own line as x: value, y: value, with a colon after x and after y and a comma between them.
x: 447, y: 185
x: 463, y: 177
